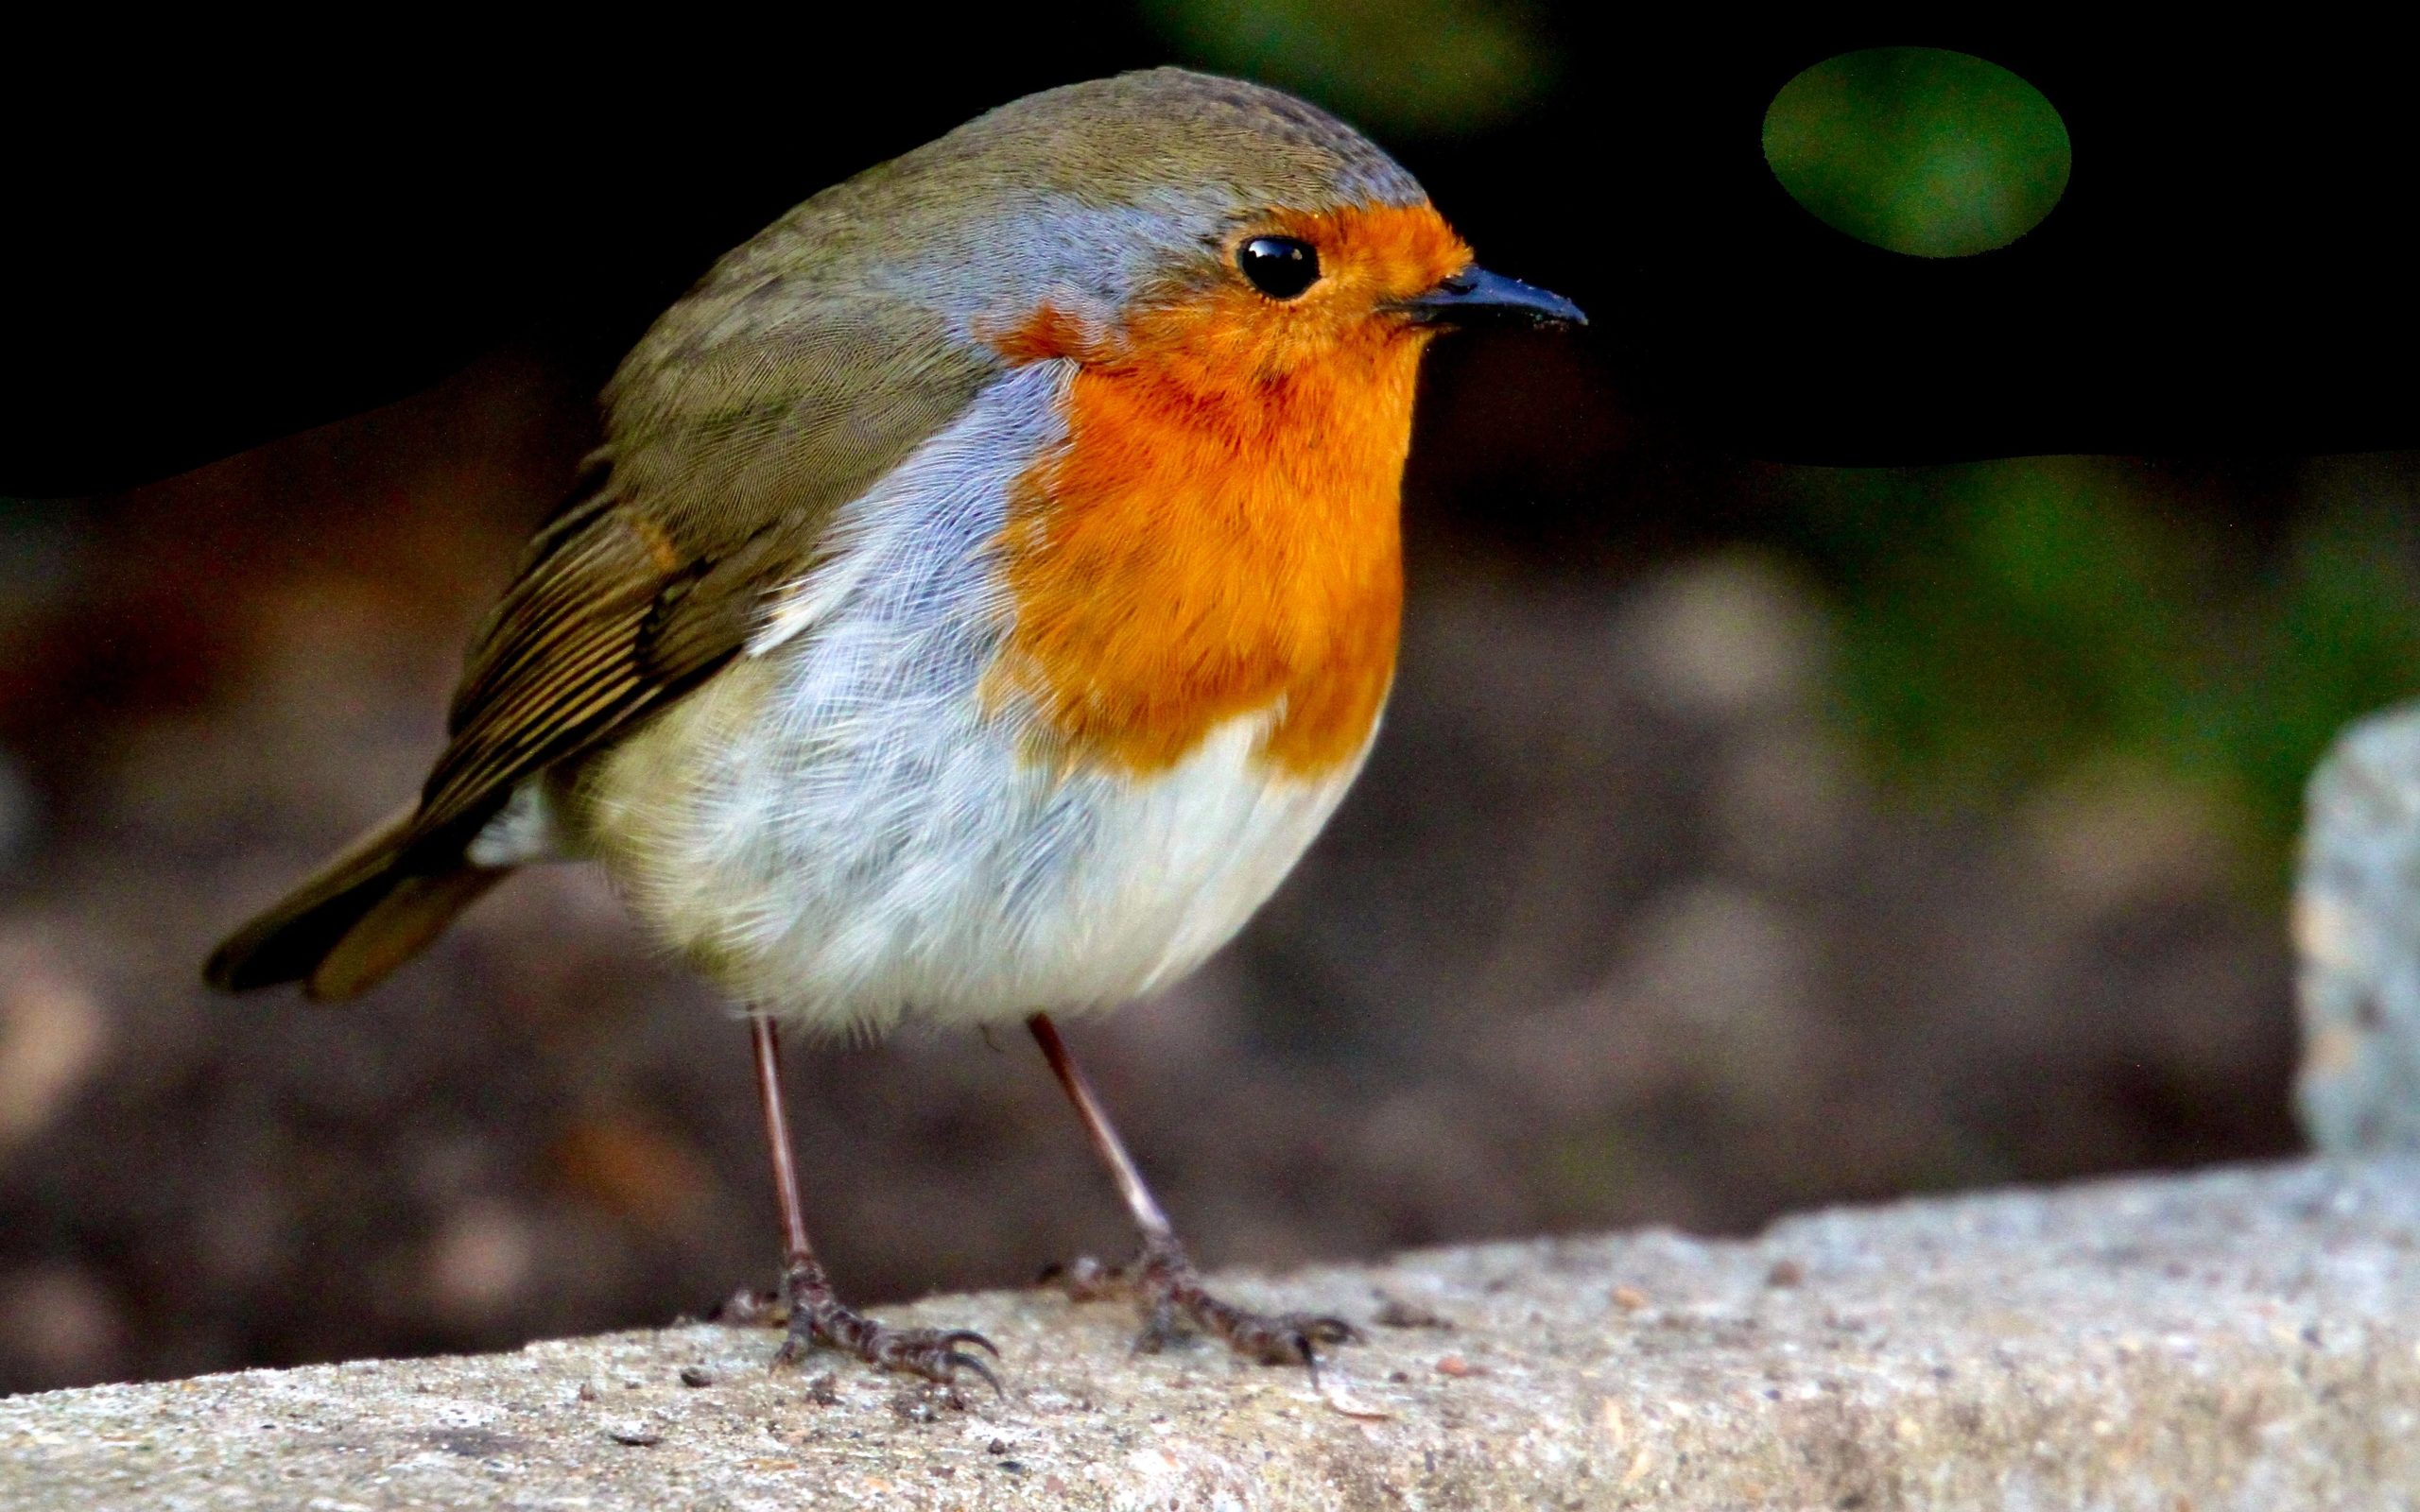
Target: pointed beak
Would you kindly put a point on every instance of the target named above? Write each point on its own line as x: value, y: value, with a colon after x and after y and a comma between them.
x: 1478, y: 297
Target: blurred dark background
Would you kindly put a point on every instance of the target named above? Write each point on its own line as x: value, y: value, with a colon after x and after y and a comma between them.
x: 1852, y: 717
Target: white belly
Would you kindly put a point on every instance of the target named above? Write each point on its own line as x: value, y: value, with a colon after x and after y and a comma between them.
x: 906, y: 866
x: 839, y: 830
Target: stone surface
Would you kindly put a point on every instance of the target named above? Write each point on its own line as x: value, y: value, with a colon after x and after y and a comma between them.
x: 2242, y: 1338
x: 2356, y: 940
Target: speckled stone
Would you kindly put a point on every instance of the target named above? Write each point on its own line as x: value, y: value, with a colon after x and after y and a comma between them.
x: 2234, y: 1339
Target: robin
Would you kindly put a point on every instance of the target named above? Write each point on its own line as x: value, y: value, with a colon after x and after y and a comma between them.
x: 987, y: 588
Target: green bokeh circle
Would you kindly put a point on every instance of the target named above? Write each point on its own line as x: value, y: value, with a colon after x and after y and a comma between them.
x: 1919, y: 149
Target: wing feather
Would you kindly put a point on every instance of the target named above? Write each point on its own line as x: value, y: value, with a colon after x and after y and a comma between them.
x: 715, y: 489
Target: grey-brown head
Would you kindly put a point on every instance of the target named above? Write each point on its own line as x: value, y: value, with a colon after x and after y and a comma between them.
x: 1095, y: 199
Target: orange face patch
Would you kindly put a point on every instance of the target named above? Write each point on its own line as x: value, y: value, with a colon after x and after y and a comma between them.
x: 1219, y: 533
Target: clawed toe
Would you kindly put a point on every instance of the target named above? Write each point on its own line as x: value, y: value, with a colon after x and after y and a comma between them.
x: 932, y: 1353
x: 1281, y: 1338
x: 819, y: 1317
x: 1175, y: 1303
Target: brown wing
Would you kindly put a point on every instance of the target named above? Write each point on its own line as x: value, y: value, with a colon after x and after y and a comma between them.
x: 746, y: 417
x: 577, y: 648
x: 716, y: 492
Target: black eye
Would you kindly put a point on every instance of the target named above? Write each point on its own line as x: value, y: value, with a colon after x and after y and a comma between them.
x: 1279, y: 267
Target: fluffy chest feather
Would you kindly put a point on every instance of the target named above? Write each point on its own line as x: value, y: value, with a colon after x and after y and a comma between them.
x: 1200, y: 549
x: 872, y: 817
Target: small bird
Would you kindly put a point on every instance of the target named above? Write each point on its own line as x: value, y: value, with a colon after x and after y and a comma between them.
x: 987, y: 587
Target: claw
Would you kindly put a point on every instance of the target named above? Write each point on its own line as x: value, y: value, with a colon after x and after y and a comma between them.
x: 1325, y: 1330
x: 958, y: 1336
x: 958, y: 1360
x: 1302, y: 1338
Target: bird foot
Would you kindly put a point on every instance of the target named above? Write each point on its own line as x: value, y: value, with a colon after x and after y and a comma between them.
x: 1175, y: 1302
x: 818, y: 1317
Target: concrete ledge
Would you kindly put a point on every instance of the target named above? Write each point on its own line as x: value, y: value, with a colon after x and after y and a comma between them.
x: 2240, y: 1338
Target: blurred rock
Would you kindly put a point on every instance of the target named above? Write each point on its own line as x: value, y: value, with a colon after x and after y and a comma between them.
x: 52, y: 1037
x: 1729, y: 974
x: 63, y: 1322
x: 2356, y: 932
x: 479, y: 1262
x: 1726, y: 635
x: 2119, y: 833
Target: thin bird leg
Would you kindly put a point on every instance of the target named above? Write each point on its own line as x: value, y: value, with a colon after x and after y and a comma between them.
x: 816, y: 1315
x: 767, y: 1040
x: 1163, y: 1278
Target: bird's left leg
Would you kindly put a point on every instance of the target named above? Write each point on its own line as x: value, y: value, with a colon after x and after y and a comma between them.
x: 1163, y: 1278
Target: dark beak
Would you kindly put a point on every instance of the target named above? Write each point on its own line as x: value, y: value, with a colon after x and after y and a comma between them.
x: 1478, y: 297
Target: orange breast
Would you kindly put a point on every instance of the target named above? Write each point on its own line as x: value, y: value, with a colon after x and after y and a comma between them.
x: 1218, y: 536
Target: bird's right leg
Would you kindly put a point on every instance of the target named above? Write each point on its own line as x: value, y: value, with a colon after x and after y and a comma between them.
x: 816, y: 1315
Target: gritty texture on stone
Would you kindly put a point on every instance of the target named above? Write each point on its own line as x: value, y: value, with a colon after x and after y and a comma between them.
x: 2245, y: 1338
x: 2356, y: 940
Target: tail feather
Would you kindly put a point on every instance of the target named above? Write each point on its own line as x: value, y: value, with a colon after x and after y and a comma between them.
x: 362, y: 914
